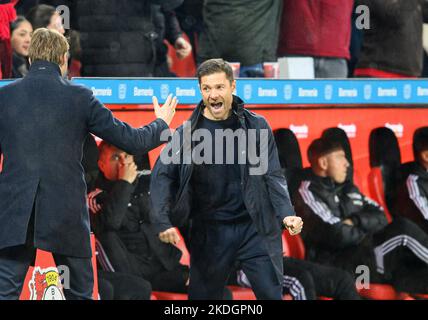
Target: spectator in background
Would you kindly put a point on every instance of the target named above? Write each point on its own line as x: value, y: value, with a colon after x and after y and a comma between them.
x: 244, y: 31
x: 189, y: 15
x: 7, y: 15
x: 392, y: 46
x: 21, y: 31
x: 168, y: 28
x: 23, y: 7
x: 45, y: 16
x: 126, y: 37
x: 318, y: 29
x: 412, y: 195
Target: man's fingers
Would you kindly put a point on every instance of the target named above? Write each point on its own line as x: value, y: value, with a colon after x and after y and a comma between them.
x: 155, y: 102
x: 169, y: 236
x: 168, y: 100
x: 298, y: 224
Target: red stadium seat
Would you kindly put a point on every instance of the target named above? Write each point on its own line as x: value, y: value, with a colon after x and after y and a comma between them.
x: 294, y: 244
x: 375, y: 183
x: 185, y: 260
x: 378, y: 291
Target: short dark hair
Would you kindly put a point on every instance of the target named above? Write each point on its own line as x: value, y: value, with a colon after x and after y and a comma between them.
x: 321, y: 147
x: 40, y: 16
x: 214, y: 66
x: 420, y: 141
x: 16, y: 23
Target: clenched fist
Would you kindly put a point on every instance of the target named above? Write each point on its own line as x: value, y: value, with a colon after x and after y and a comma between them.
x: 169, y: 236
x: 293, y: 224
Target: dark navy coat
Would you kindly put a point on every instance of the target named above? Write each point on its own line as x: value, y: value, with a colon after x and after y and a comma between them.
x: 265, y: 196
x: 44, y: 121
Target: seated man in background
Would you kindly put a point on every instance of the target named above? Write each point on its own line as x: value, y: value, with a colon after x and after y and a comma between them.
x: 305, y: 280
x: 346, y: 229
x: 120, y: 223
x: 412, y: 195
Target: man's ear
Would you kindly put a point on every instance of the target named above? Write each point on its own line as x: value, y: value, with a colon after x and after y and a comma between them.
x: 323, y: 163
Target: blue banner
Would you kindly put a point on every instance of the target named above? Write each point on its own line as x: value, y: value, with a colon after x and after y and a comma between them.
x: 4, y: 82
x: 266, y: 91
x: 263, y: 91
x: 140, y: 91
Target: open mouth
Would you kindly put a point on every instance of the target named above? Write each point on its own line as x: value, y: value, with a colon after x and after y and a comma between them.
x: 217, y: 105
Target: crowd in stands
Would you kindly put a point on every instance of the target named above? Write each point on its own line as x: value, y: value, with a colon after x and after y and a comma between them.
x: 135, y: 38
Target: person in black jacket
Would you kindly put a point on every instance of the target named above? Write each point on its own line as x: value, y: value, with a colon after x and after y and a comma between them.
x: 43, y: 123
x: 412, y: 196
x: 120, y: 221
x: 124, y: 38
x: 236, y: 201
x: 344, y: 228
x: 392, y: 45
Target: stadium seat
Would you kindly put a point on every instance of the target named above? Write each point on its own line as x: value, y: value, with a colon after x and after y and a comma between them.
x: 376, y: 189
x: 185, y: 258
x: 295, y: 245
x: 290, y: 157
x: 385, y: 153
x: 378, y: 291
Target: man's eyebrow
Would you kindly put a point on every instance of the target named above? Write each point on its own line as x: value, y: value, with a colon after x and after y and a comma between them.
x: 214, y: 85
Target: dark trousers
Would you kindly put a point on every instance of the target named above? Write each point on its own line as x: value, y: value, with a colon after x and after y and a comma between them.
x: 397, y: 255
x: 14, y: 264
x: 121, y: 286
x: 143, y: 265
x: 215, y: 247
x: 15, y: 261
x: 306, y: 280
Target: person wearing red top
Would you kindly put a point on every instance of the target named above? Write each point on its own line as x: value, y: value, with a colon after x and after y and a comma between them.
x: 319, y: 29
x: 7, y: 15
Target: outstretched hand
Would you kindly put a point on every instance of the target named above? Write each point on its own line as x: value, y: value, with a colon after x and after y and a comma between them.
x: 167, y: 111
x: 293, y: 224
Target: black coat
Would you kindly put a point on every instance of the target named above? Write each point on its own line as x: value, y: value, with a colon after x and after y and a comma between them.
x: 393, y: 43
x: 125, y: 211
x: 124, y: 37
x: 323, y: 205
x: 265, y: 196
x: 412, y: 195
x: 44, y: 121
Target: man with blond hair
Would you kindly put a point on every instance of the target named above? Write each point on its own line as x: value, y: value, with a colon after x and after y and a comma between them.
x: 44, y: 120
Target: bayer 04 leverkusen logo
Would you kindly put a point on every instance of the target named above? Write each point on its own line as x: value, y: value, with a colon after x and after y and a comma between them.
x: 45, y: 284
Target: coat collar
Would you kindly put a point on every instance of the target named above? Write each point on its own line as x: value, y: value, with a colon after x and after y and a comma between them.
x: 41, y: 66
